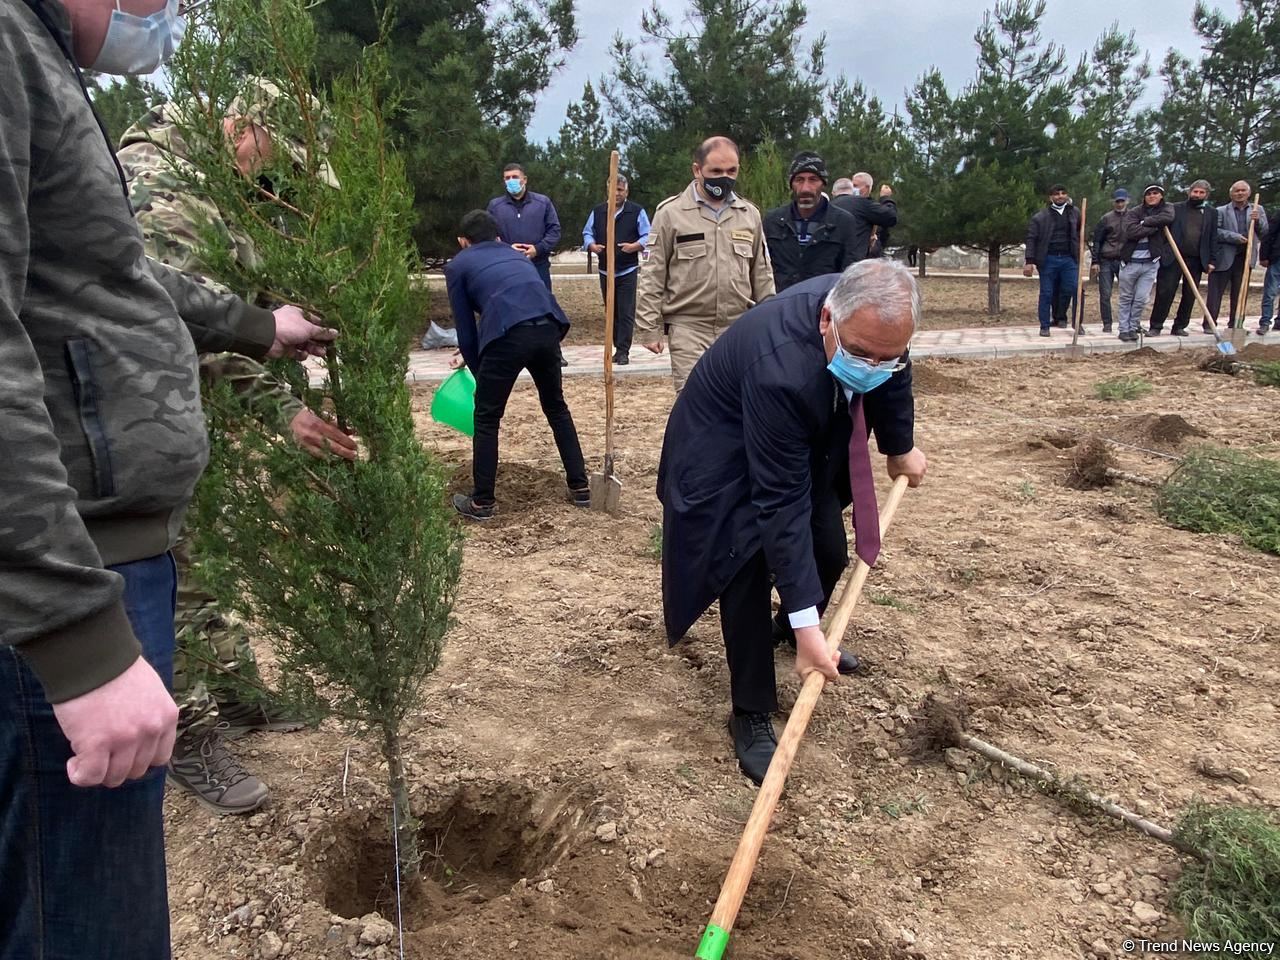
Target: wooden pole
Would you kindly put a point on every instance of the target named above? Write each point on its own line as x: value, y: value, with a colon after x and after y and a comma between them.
x: 1243, y: 300
x: 716, y: 937
x: 610, y: 288
x: 1080, y: 275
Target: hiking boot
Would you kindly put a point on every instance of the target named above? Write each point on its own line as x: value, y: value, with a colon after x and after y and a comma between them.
x: 203, y: 766
x: 580, y: 498
x: 467, y: 506
x: 249, y: 716
x: 754, y: 743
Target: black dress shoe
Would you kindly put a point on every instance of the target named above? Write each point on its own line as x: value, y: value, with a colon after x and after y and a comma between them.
x: 1180, y: 332
x: 621, y: 359
x: 1154, y: 332
x: 754, y: 742
x: 848, y: 665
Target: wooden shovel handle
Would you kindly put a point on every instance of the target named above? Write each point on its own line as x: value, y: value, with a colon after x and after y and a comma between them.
x: 1186, y: 275
x: 610, y: 288
x: 744, y: 860
x: 1078, y: 313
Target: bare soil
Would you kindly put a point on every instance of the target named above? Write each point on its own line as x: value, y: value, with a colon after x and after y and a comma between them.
x: 576, y: 786
x: 948, y: 302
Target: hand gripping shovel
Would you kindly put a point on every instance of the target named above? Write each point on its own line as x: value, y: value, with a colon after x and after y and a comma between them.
x: 1224, y: 345
x: 606, y: 489
x: 716, y: 937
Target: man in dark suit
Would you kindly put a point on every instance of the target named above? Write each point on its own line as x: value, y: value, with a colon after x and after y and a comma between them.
x: 853, y: 196
x: 520, y: 328
x: 758, y: 464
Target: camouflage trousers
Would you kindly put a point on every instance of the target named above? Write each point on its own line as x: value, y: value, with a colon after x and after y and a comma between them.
x: 211, y: 655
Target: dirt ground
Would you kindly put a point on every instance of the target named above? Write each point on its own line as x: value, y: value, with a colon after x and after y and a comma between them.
x: 948, y: 302
x: 577, y: 788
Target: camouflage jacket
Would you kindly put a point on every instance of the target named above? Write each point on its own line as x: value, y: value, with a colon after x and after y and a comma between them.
x: 172, y: 216
x: 101, y: 431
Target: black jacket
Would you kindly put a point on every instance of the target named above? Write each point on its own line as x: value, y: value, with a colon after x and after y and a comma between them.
x: 760, y: 423
x: 1269, y: 245
x: 867, y: 213
x: 830, y: 248
x: 1208, y: 229
x: 1040, y: 232
x: 1108, y: 238
x: 1143, y: 222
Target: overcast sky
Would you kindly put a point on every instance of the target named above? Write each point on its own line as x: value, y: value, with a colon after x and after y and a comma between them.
x: 889, y: 43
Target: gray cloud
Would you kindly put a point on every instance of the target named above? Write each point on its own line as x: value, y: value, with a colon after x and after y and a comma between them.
x: 890, y: 43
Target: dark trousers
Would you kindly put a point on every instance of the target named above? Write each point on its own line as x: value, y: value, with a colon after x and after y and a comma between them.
x: 746, y: 609
x: 1167, y: 281
x: 543, y: 266
x: 1108, y: 274
x: 1057, y: 287
x: 82, y: 869
x: 624, y: 309
x: 1218, y: 281
x: 532, y: 346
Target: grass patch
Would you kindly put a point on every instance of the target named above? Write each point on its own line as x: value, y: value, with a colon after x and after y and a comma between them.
x: 1267, y: 373
x: 1026, y: 490
x: 1224, y: 491
x: 1231, y: 895
x: 654, y: 550
x: 882, y: 598
x: 1121, y: 388
x: 896, y: 809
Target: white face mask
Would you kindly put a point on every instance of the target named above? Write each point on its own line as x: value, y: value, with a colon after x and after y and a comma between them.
x: 140, y: 45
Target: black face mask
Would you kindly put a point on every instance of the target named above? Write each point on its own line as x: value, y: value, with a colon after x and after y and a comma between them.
x: 718, y: 188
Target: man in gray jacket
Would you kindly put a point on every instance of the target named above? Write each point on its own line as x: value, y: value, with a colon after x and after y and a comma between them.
x: 1228, y: 255
x: 103, y: 439
x: 1108, y: 238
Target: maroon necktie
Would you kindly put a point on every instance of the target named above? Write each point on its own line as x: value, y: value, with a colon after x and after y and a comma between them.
x: 866, y: 515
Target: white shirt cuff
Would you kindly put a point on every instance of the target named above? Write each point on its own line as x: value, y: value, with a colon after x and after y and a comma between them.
x: 808, y: 617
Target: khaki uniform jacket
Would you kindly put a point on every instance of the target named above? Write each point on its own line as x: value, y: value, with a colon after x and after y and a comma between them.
x: 701, y: 269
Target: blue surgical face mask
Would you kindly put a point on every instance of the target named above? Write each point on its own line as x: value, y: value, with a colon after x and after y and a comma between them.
x: 855, y: 373
x: 140, y: 45
x: 514, y: 186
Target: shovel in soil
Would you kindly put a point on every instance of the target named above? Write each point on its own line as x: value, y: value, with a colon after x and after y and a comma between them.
x: 606, y: 489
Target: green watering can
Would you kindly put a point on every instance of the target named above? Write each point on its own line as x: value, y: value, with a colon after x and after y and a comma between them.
x: 454, y: 403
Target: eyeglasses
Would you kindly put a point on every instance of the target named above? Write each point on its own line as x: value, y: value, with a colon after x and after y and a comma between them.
x: 892, y: 366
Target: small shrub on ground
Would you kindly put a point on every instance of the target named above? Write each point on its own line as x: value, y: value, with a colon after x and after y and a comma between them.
x: 1121, y: 388
x: 1224, y: 491
x: 1231, y: 894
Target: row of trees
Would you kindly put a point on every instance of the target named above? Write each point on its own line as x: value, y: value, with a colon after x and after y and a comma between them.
x: 970, y: 163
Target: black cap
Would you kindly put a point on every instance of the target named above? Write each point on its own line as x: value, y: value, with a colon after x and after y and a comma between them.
x: 806, y: 161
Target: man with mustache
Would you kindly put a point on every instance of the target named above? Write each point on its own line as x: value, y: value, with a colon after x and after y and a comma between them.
x: 809, y: 236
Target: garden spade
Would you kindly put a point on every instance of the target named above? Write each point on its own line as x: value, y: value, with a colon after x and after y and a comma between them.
x: 1224, y: 345
x: 606, y: 489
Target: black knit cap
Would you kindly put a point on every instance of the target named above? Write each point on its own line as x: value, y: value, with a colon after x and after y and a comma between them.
x: 806, y: 161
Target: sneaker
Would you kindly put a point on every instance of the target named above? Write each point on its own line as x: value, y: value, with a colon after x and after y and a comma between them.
x: 249, y: 716
x: 203, y: 766
x: 467, y: 506
x: 580, y: 498
x: 1044, y: 331
x: 438, y: 338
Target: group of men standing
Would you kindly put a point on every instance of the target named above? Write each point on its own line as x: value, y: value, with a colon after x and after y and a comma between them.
x: 1155, y: 245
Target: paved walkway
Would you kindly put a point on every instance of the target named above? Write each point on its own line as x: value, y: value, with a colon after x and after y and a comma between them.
x: 973, y: 343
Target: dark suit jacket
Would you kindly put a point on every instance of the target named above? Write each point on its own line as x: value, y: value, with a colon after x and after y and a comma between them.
x: 1182, y: 212
x: 503, y: 287
x: 760, y: 423
x: 867, y: 213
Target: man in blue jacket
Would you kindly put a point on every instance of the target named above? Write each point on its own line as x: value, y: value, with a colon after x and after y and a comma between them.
x: 765, y: 446
x: 520, y: 328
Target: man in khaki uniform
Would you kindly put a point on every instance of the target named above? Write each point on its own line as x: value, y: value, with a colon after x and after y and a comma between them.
x: 707, y: 263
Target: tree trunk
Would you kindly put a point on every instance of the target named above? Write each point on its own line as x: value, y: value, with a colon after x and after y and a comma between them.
x: 405, y: 824
x: 993, y: 279
x: 921, y: 257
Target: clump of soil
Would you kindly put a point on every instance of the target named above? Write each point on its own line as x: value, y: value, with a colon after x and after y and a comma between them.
x: 1219, y: 363
x: 935, y: 725
x: 1166, y: 429
x: 1062, y: 439
x: 1091, y: 465
x: 1141, y: 355
x: 928, y: 379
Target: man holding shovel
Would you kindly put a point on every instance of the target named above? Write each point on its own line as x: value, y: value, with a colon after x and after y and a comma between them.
x: 765, y: 447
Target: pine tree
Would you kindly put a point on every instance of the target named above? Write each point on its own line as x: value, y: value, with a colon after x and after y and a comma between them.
x: 573, y: 169
x: 121, y: 101
x: 854, y: 133
x: 348, y: 569
x: 1115, y: 81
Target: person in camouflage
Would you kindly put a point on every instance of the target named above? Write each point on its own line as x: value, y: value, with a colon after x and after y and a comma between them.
x: 215, y: 671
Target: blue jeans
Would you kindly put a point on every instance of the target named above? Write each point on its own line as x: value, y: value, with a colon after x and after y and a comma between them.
x: 1058, y: 276
x: 1270, y: 285
x: 82, y: 873
x: 1108, y: 274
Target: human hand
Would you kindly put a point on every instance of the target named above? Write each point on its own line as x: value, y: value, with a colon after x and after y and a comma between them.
x: 1029, y: 270
x: 596, y: 248
x: 1255, y: 213
x: 297, y: 336
x: 885, y: 191
x: 120, y: 730
x: 655, y: 347
x: 1209, y: 269
x: 320, y: 438
x: 634, y: 247
x: 457, y: 360
x: 812, y: 654
x: 913, y: 464
x: 528, y: 249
